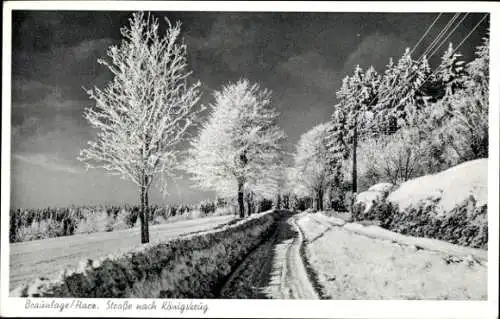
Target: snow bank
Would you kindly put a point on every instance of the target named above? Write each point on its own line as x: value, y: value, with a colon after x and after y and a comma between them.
x: 447, y: 188
x: 377, y: 232
x: 450, y: 205
x: 368, y: 201
x: 380, y: 233
x: 382, y: 187
x: 191, y: 266
x: 351, y: 266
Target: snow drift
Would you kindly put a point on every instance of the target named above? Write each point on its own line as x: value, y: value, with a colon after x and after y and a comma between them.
x: 447, y: 188
x: 369, y: 200
x: 450, y: 206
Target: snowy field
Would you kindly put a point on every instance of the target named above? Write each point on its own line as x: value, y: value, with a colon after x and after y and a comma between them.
x: 352, y: 266
x: 29, y: 260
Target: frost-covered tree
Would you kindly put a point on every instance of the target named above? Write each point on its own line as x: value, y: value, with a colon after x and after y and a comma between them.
x: 240, y: 148
x: 451, y: 71
x: 467, y: 130
x: 337, y: 143
x: 401, y: 93
x: 354, y: 112
x: 315, y: 164
x: 144, y: 112
x: 392, y: 158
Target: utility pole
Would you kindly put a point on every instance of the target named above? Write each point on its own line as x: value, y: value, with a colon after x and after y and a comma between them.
x: 354, y: 156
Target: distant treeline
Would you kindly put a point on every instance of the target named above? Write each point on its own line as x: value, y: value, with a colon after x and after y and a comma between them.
x: 32, y: 224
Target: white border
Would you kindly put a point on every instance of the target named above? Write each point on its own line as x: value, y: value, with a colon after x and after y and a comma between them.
x: 275, y: 308
x: 493, y: 162
x: 263, y: 6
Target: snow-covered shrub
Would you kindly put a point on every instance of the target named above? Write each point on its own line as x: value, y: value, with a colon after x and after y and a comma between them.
x: 466, y: 224
x: 95, y: 221
x: 42, y: 223
x: 207, y: 206
x: 158, y: 220
x: 227, y: 210
x: 366, y: 203
x: 196, y: 213
x: 392, y: 158
x: 121, y: 220
x: 450, y: 205
x: 38, y: 230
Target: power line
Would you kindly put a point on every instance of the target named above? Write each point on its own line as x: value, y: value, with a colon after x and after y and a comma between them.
x: 436, y: 40
x: 456, y: 26
x: 440, y: 35
x: 458, y: 46
x: 427, y: 31
x: 433, y: 47
x: 439, y: 42
x: 448, y: 25
x: 469, y: 34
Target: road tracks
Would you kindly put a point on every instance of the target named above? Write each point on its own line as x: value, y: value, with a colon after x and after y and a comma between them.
x: 275, y: 270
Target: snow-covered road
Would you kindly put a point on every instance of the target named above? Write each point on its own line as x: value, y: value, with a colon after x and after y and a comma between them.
x: 275, y: 270
x: 347, y: 263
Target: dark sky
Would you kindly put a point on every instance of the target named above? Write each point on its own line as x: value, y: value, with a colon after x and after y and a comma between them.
x: 301, y: 57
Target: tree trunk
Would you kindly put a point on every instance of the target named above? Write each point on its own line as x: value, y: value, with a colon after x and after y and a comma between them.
x: 250, y: 204
x: 247, y: 200
x: 328, y: 201
x: 354, y: 158
x: 141, y: 216
x: 253, y: 204
x: 241, y: 184
x: 278, y: 202
x: 241, y: 203
x: 320, y: 199
x: 315, y: 200
x: 146, y: 182
x: 146, y: 213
